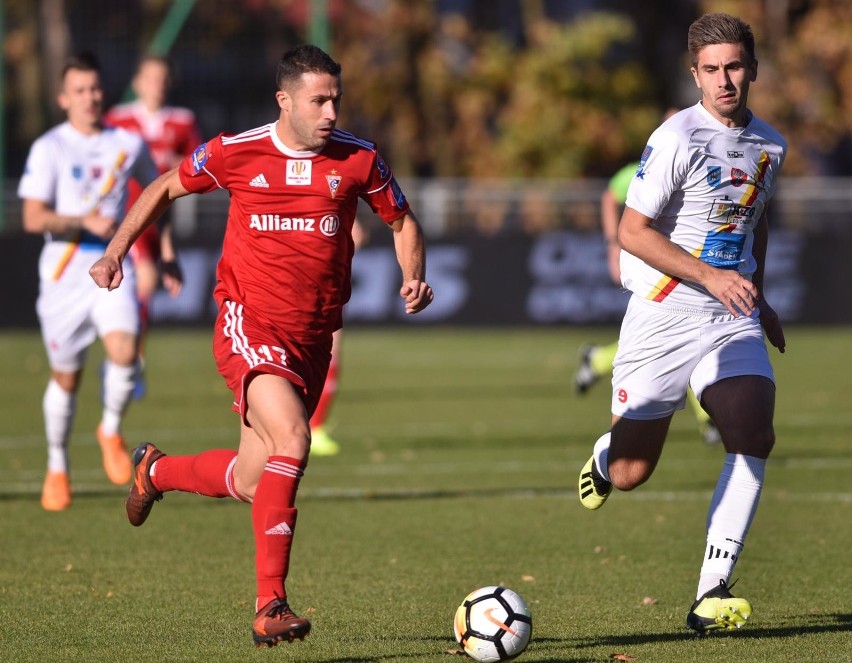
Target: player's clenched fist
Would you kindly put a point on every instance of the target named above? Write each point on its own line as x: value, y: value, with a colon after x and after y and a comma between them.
x: 107, y: 273
x: 417, y: 295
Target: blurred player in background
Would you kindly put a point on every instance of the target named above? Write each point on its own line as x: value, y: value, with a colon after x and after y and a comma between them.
x: 693, y: 236
x: 596, y: 360
x: 322, y: 444
x: 74, y: 189
x: 171, y: 133
x: 282, y: 281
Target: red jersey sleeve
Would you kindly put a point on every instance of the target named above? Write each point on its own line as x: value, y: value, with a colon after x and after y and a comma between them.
x: 383, y: 194
x: 204, y: 169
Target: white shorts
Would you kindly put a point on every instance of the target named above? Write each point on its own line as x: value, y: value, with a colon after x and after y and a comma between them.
x: 661, y: 352
x: 73, y: 311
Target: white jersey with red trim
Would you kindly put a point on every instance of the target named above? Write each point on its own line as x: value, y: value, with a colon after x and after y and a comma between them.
x: 76, y: 174
x: 706, y: 186
x: 287, y: 252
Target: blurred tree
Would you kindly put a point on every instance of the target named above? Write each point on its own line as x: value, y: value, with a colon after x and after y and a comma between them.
x: 452, y: 100
x: 465, y: 88
x: 568, y: 112
x: 25, y: 109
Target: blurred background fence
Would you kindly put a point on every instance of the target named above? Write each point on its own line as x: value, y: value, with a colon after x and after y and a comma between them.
x: 500, y: 252
x: 501, y: 118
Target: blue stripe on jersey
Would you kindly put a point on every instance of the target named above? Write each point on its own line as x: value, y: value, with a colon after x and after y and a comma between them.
x: 346, y: 137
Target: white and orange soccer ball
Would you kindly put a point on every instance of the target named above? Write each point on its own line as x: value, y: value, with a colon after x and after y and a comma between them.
x: 493, y: 624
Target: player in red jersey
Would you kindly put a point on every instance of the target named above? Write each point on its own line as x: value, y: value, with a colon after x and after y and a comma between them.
x: 171, y: 133
x: 282, y: 281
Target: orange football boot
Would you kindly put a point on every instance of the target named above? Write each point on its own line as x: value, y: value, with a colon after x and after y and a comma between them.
x: 142, y: 493
x: 116, y: 459
x: 56, y: 492
x: 275, y: 622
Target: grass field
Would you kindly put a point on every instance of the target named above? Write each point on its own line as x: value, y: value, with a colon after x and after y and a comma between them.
x: 460, y: 455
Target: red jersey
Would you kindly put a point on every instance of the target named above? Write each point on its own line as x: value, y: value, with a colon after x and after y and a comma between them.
x: 287, y: 252
x: 171, y: 132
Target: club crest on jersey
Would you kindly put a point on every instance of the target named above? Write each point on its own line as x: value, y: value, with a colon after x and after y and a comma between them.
x: 77, y: 172
x: 646, y: 154
x: 382, y: 167
x: 333, y: 182
x: 738, y: 177
x: 714, y: 176
x: 199, y: 157
x: 299, y: 172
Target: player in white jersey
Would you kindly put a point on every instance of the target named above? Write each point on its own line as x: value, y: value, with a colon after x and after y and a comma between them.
x: 694, y: 235
x: 74, y: 190
x: 595, y: 361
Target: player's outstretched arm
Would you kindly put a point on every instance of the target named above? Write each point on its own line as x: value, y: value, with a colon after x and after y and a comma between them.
x: 411, y: 255
x: 153, y: 201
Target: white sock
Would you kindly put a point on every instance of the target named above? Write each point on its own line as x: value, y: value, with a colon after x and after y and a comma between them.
x: 118, y: 390
x: 601, y: 452
x: 731, y: 511
x: 59, y: 407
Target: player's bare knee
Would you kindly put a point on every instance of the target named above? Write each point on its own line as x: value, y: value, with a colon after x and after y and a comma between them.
x: 293, y: 441
x: 121, y: 348
x: 751, y: 443
x: 627, y: 474
x: 245, y: 487
x: 69, y: 382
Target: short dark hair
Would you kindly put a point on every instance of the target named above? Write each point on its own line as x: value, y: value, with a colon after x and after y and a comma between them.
x: 713, y: 29
x: 82, y: 61
x: 303, y: 60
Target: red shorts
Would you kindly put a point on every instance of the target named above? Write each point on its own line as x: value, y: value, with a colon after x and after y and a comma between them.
x: 147, y: 247
x: 244, y: 348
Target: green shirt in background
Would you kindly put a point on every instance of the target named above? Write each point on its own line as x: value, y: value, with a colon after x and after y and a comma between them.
x: 620, y: 182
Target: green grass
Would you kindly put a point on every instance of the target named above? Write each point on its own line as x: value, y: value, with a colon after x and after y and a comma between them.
x: 458, y: 469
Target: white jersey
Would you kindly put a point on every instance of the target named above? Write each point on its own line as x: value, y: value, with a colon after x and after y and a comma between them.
x: 76, y: 174
x: 706, y: 187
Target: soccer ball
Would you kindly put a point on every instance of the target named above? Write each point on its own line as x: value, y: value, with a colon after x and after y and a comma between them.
x: 493, y: 624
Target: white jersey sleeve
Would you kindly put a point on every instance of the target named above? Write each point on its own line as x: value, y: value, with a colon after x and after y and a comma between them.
x: 661, y: 173
x: 40, y: 173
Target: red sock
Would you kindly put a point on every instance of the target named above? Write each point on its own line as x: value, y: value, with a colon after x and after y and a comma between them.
x: 208, y: 473
x: 274, y: 520
x: 329, y: 392
x: 144, y: 316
